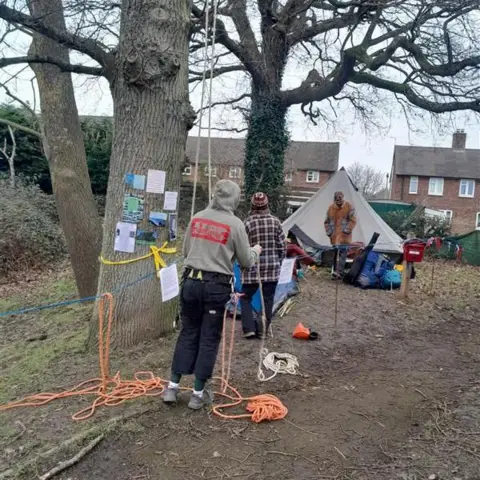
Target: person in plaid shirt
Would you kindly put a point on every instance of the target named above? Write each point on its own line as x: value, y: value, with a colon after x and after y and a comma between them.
x: 266, y: 230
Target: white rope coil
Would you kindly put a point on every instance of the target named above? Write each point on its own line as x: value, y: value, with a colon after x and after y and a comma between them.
x: 277, y: 363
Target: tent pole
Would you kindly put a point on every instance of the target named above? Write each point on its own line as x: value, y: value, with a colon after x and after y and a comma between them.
x: 336, y: 287
x: 431, y: 283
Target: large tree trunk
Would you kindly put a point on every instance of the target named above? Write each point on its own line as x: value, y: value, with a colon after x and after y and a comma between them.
x: 267, y: 141
x: 267, y: 137
x: 151, y: 122
x: 65, y: 151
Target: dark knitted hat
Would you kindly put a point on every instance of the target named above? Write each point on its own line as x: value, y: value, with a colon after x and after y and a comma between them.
x: 259, y: 201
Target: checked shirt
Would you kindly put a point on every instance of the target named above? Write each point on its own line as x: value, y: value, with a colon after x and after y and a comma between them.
x: 265, y: 230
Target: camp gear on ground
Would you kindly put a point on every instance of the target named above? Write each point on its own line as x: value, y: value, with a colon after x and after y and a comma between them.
x: 303, y: 333
x: 391, y: 280
x: 352, y: 275
x: 378, y: 272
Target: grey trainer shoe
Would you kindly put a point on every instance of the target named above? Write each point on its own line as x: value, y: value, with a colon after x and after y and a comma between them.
x: 170, y: 395
x: 196, y: 402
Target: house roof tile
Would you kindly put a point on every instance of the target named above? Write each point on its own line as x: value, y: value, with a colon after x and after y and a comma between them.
x: 321, y: 156
x: 437, y: 162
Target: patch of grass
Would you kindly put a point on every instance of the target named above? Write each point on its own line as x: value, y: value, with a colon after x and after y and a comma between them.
x: 51, y: 291
x: 27, y: 364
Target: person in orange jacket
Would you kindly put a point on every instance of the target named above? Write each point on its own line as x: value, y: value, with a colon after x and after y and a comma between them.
x: 339, y: 224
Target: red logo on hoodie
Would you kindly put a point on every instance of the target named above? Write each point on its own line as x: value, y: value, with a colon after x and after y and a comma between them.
x: 210, y: 230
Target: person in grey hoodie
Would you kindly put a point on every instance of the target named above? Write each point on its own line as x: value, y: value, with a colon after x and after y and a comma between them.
x: 214, y: 238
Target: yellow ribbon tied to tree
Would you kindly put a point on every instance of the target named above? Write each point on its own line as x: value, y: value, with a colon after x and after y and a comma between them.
x: 155, y: 252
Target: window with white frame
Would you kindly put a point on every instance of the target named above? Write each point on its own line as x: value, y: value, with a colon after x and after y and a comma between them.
x: 235, y: 172
x: 313, y: 176
x: 187, y: 170
x: 435, y: 186
x: 212, y: 173
x: 467, y: 188
x: 288, y: 177
x: 448, y: 215
x: 413, y: 188
x: 477, y: 221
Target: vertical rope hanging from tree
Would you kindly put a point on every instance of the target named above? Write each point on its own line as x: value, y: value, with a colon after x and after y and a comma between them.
x: 204, y: 76
x: 214, y: 30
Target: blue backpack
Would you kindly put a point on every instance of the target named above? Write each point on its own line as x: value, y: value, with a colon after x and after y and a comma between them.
x: 391, y: 279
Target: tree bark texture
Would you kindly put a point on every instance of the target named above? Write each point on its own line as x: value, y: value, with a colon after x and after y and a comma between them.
x: 152, y: 118
x: 65, y: 151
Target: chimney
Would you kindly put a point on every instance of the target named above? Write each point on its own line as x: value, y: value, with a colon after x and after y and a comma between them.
x: 459, y: 140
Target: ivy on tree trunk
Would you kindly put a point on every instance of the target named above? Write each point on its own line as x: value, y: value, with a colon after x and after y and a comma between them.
x: 266, y: 143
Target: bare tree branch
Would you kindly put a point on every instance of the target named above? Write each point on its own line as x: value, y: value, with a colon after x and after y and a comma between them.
x: 64, y: 67
x: 197, y: 76
x: 10, y: 157
x: 25, y: 105
x: 83, y: 45
x: 413, y: 97
x: 226, y: 102
x: 22, y: 128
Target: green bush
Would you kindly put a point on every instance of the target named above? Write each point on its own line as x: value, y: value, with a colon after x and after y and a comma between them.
x: 31, y: 237
x: 421, y: 225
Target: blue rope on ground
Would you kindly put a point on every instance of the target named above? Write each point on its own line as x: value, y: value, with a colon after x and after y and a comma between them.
x: 65, y: 303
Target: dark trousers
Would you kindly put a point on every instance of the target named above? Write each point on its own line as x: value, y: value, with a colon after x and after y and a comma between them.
x: 340, y: 260
x: 249, y: 290
x: 202, y: 309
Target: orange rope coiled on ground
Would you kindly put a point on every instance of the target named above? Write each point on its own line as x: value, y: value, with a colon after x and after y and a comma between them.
x: 112, y: 391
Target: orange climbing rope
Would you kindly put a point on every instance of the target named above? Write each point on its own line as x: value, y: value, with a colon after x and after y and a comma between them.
x: 112, y: 391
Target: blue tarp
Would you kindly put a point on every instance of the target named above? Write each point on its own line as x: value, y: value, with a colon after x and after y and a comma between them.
x: 283, y: 292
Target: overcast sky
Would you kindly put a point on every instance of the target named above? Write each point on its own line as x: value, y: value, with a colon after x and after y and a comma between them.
x: 373, y: 148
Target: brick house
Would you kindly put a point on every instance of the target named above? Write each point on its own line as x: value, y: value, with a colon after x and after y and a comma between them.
x: 446, y: 179
x: 308, y: 165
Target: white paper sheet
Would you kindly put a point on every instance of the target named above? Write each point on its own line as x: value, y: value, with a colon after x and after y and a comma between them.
x: 125, y: 237
x: 170, y: 202
x: 156, y: 181
x: 286, y: 270
x: 169, y: 282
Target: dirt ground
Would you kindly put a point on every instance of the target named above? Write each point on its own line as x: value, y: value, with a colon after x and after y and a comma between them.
x: 390, y: 391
